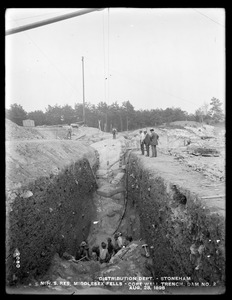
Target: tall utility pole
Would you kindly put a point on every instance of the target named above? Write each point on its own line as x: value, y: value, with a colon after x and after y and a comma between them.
x: 127, y: 116
x: 83, y: 78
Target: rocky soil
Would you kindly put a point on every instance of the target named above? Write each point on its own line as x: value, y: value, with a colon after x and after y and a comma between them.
x: 55, y: 158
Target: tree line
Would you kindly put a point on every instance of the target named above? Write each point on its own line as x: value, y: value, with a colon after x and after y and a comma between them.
x: 123, y: 117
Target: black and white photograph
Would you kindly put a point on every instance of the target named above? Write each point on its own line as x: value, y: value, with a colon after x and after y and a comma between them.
x: 115, y: 151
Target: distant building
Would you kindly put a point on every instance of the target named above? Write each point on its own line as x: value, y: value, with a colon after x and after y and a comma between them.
x: 28, y: 123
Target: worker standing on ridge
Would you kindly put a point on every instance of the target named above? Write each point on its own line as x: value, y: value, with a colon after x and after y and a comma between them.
x: 154, y: 142
x: 147, y: 141
x: 141, y: 141
x: 114, y: 131
x: 69, y: 132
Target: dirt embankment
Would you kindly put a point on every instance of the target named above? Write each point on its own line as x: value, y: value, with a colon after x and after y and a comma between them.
x: 29, y: 160
x: 199, y: 147
x: 14, y: 132
x: 186, y: 235
x: 49, y: 207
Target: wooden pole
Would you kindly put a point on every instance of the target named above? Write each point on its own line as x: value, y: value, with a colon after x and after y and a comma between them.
x: 49, y: 21
x: 83, y: 89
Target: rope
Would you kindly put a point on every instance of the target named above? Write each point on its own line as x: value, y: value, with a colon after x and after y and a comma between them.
x: 125, y: 198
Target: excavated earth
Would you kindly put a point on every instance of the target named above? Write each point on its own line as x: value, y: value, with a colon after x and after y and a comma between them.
x: 60, y: 192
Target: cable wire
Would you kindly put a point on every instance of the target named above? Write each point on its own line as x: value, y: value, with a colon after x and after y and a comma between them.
x: 48, y: 59
x: 108, y: 54
x: 104, y: 55
x: 36, y: 16
x: 208, y: 17
x: 50, y: 21
x: 125, y: 194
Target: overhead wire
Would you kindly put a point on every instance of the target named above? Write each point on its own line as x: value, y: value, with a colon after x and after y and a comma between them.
x: 49, y: 60
x: 108, y: 49
x: 155, y: 89
x: 50, y: 21
x: 36, y: 16
x: 104, y: 59
x: 108, y: 54
x: 208, y: 17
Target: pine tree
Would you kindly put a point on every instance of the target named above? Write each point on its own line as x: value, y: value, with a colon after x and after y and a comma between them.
x: 216, y: 110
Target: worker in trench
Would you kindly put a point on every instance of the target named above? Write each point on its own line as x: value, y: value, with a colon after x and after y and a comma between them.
x: 117, y: 242
x: 83, y: 252
x: 154, y: 142
x: 104, y: 254
x: 95, y: 253
x: 110, y: 247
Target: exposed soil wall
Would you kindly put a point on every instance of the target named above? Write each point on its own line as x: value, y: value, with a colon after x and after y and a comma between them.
x: 172, y: 220
x: 50, y: 214
x: 55, y: 219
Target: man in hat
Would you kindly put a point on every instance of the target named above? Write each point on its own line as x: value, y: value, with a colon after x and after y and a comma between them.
x: 84, y: 251
x: 104, y: 254
x: 110, y: 247
x: 154, y: 142
x: 69, y: 136
x: 114, y: 131
x: 141, y: 138
x: 147, y: 141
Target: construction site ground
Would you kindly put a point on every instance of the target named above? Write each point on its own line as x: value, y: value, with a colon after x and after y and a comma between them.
x: 179, y: 159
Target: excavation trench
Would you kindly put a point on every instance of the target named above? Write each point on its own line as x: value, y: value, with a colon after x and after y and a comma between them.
x: 185, y: 235
x: 76, y: 205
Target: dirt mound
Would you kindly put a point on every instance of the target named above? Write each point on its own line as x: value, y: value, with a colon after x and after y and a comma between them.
x: 15, y: 132
x: 185, y: 123
x: 26, y: 161
x: 90, y: 135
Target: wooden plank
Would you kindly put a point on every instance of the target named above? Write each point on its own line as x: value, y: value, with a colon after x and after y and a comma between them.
x: 212, y: 197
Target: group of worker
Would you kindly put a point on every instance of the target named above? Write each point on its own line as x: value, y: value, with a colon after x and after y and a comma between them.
x: 148, y: 140
x: 104, y: 252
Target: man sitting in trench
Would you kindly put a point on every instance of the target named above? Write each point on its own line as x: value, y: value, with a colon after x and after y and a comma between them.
x: 104, y: 254
x: 83, y: 252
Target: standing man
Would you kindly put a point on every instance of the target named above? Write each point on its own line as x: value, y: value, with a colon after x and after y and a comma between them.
x: 69, y: 132
x: 147, y: 141
x: 154, y: 142
x: 114, y: 131
x: 141, y: 141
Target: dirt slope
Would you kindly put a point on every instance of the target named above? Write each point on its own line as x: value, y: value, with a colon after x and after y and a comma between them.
x: 15, y: 132
x: 28, y: 160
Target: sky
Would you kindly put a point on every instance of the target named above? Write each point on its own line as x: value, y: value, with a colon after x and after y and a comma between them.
x: 155, y: 58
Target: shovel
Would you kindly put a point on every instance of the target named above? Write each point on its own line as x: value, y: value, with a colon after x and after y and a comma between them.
x: 76, y: 261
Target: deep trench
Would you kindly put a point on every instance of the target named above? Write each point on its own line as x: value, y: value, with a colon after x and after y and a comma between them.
x: 166, y: 217
x: 173, y: 220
